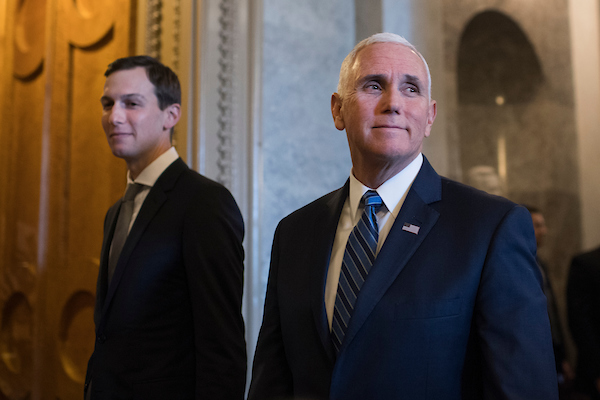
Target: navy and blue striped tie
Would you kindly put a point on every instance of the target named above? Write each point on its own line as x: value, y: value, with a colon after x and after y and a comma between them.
x: 358, y: 259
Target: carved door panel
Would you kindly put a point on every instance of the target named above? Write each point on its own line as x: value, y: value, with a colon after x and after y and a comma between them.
x: 57, y: 179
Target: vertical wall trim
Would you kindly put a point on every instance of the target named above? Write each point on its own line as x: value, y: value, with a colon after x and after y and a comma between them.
x: 227, y: 92
x: 176, y: 35
x: 585, y: 49
x: 153, y: 28
x: 253, y: 304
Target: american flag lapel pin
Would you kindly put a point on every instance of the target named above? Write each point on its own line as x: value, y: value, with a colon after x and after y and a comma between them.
x: 411, y: 228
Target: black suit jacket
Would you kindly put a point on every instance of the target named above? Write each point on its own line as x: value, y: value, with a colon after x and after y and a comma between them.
x: 169, y: 325
x: 583, y: 304
x: 455, y: 311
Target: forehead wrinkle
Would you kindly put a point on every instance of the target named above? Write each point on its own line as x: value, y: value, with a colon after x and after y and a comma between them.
x: 387, y: 60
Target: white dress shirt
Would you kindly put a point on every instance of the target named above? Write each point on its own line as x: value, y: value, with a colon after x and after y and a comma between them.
x: 392, y: 192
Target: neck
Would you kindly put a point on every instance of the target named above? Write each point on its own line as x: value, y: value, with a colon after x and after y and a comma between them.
x: 136, y: 166
x: 372, y: 182
x: 376, y: 175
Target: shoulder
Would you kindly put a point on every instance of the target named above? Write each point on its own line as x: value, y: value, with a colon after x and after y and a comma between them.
x: 456, y: 191
x: 450, y: 197
x: 193, y: 184
x: 590, y: 258
x: 477, y: 203
x: 194, y: 194
x: 328, y: 204
x: 197, y: 180
x: 203, y: 201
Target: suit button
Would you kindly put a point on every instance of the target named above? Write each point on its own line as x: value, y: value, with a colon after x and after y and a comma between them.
x: 101, y: 338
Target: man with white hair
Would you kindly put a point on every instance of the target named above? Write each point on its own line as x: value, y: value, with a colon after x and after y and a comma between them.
x: 402, y: 284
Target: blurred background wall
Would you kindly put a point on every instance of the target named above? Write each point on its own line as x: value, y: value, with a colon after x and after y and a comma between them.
x: 518, y: 90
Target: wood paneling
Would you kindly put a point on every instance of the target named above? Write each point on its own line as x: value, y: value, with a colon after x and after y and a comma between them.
x: 58, y: 178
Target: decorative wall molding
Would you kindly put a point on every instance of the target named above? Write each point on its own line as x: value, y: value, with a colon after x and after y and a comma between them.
x: 87, y: 29
x: 226, y: 103
x: 154, y: 28
x: 29, y: 38
x: 176, y: 36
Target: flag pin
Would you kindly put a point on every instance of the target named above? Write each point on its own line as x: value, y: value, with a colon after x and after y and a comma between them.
x: 411, y: 228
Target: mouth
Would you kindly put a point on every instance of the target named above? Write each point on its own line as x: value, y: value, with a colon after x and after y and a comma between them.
x: 388, y: 127
x: 119, y: 134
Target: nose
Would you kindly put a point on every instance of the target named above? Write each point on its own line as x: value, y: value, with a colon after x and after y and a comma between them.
x: 391, y: 101
x: 116, y: 115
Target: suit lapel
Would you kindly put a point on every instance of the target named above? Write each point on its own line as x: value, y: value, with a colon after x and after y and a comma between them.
x: 153, y: 202
x: 399, y: 246
x: 325, y: 225
x: 102, y: 285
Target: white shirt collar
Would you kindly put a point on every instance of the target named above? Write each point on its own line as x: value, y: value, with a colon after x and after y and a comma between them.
x: 151, y: 173
x: 392, y: 192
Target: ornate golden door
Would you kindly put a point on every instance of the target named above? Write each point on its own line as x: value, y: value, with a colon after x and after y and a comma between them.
x: 57, y: 179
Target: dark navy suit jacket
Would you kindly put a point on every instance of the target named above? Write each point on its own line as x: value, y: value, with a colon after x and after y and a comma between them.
x: 455, y: 311
x: 169, y: 325
x: 583, y: 301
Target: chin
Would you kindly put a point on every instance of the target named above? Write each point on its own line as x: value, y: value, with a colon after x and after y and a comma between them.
x: 119, y: 152
x: 395, y: 157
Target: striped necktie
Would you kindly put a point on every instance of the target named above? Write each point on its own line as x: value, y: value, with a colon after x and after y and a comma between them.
x: 358, y: 259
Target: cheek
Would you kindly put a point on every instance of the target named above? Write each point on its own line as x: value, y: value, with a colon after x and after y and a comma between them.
x: 141, y: 120
x: 419, y: 120
x: 104, y: 121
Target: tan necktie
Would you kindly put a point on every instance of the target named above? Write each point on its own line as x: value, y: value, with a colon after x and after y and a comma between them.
x: 122, y: 228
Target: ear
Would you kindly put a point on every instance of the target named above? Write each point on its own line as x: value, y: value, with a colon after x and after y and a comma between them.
x: 172, y: 113
x: 336, y: 112
x: 431, y: 117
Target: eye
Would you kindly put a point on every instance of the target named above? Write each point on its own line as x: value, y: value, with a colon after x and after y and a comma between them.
x: 107, y: 106
x: 411, y: 89
x: 131, y: 104
x: 373, y: 87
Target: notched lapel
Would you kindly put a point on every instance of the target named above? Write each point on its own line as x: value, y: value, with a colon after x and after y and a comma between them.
x: 150, y: 207
x: 153, y: 202
x: 110, y: 224
x: 325, y: 223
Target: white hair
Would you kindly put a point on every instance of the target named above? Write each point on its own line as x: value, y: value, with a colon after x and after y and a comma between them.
x: 350, y: 60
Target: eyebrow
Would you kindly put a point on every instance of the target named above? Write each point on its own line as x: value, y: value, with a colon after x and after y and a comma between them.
x: 413, y: 78
x: 128, y: 96
x: 372, y: 77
